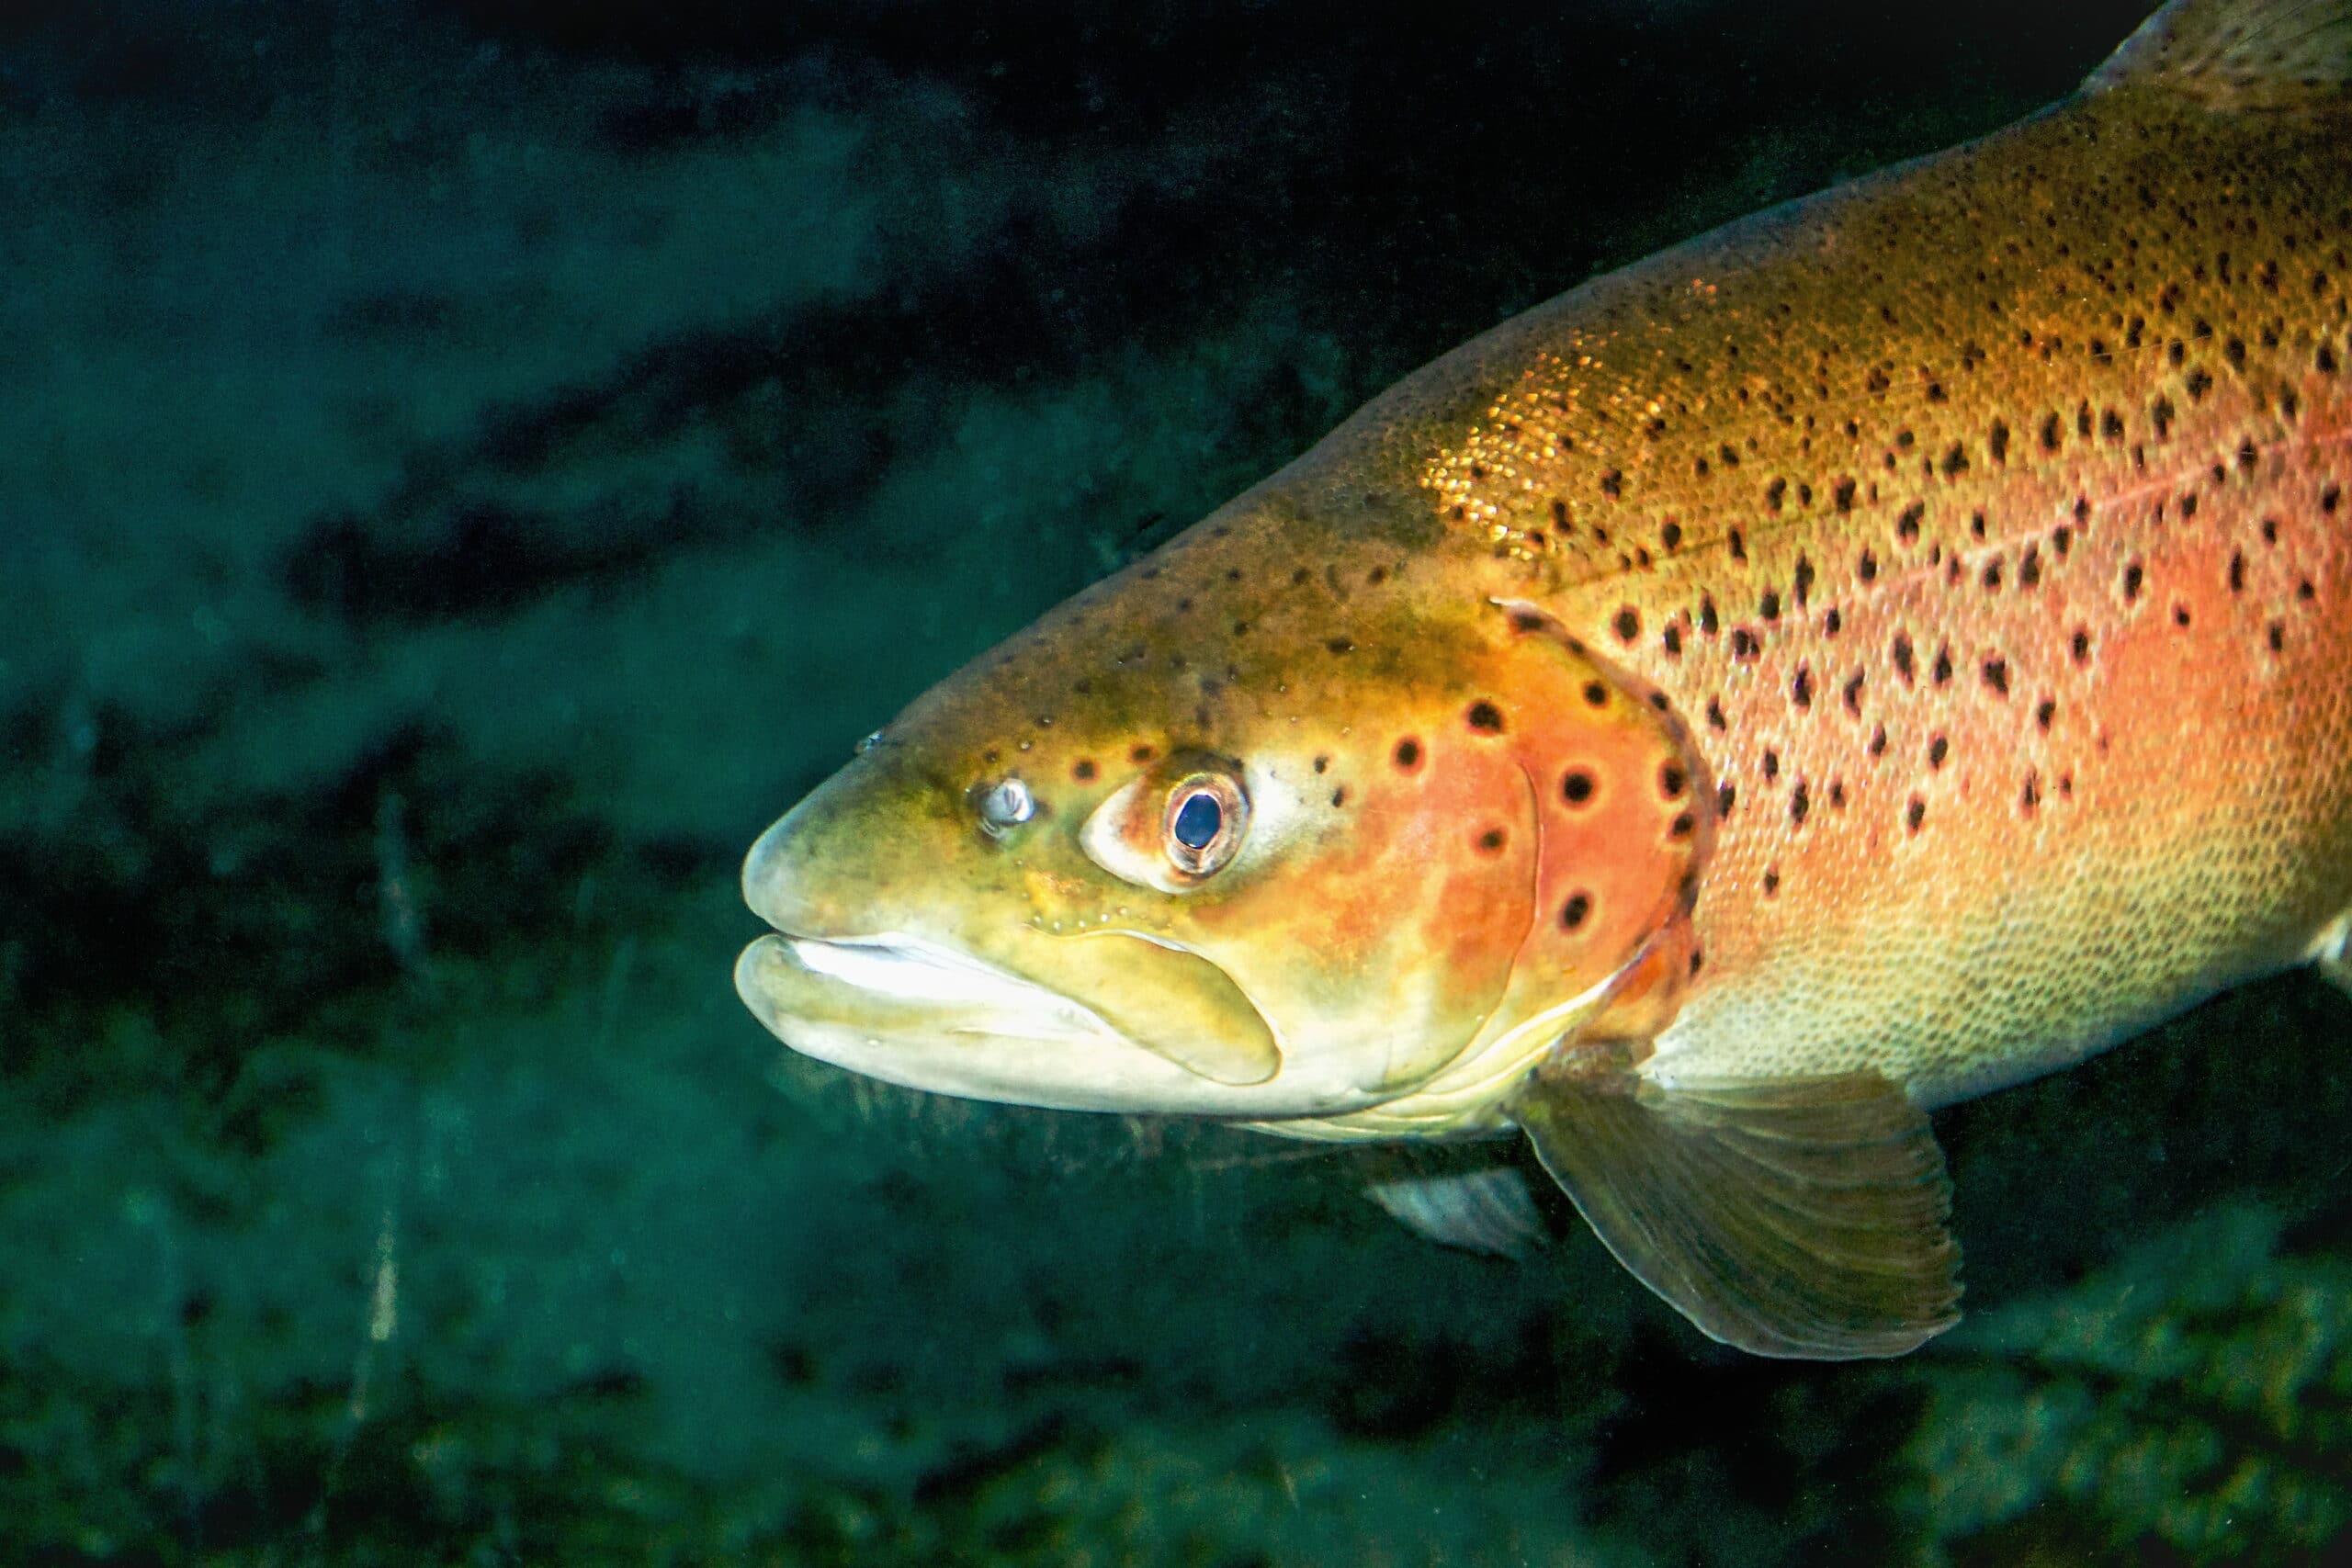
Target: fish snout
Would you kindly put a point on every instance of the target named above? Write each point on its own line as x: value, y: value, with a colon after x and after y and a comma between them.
x: 847, y: 853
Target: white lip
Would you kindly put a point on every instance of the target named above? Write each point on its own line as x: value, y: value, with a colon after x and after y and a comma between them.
x: 909, y: 969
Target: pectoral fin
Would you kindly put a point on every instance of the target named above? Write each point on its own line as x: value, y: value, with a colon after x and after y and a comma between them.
x: 1479, y: 1211
x: 1793, y: 1217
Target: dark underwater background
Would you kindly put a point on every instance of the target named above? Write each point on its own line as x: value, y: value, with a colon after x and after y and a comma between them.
x: 466, y: 466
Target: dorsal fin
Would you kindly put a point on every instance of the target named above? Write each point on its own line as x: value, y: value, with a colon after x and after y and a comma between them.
x: 2239, y: 55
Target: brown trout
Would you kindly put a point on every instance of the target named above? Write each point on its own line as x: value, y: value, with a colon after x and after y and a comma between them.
x: 1874, y: 653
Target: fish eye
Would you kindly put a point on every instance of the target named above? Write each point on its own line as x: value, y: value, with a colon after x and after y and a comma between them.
x: 1004, y: 805
x: 1207, y: 816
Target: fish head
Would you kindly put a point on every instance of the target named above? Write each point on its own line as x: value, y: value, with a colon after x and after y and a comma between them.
x: 1183, y: 848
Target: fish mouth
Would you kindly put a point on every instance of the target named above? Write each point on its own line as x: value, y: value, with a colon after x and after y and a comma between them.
x: 922, y: 1014
x: 893, y: 968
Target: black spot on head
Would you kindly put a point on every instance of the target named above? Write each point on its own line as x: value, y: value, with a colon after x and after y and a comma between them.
x: 1322, y: 764
x: 1682, y: 826
x: 1485, y: 717
x: 1408, y: 755
x: 1671, y: 780
x: 1339, y: 795
x: 1596, y: 693
x: 1576, y: 786
x: 2180, y: 614
x: 1083, y: 771
x: 1341, y: 645
x: 1491, y: 841
x: 1576, y: 911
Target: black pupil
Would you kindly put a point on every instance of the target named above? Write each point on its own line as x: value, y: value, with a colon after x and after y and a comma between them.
x: 1199, y: 820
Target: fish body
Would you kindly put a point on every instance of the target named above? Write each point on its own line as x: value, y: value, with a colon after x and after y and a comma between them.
x: 1874, y: 653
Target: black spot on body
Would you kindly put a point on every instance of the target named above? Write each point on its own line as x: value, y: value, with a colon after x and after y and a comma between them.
x: 1574, y: 913
x: 1576, y: 786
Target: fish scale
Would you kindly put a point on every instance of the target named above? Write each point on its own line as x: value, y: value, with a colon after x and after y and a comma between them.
x: 1874, y: 653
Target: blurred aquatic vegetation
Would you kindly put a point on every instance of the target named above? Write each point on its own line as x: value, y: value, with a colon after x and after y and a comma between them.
x: 2192, y: 1403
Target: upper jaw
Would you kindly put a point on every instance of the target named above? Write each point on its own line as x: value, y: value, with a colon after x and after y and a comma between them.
x: 910, y: 1012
